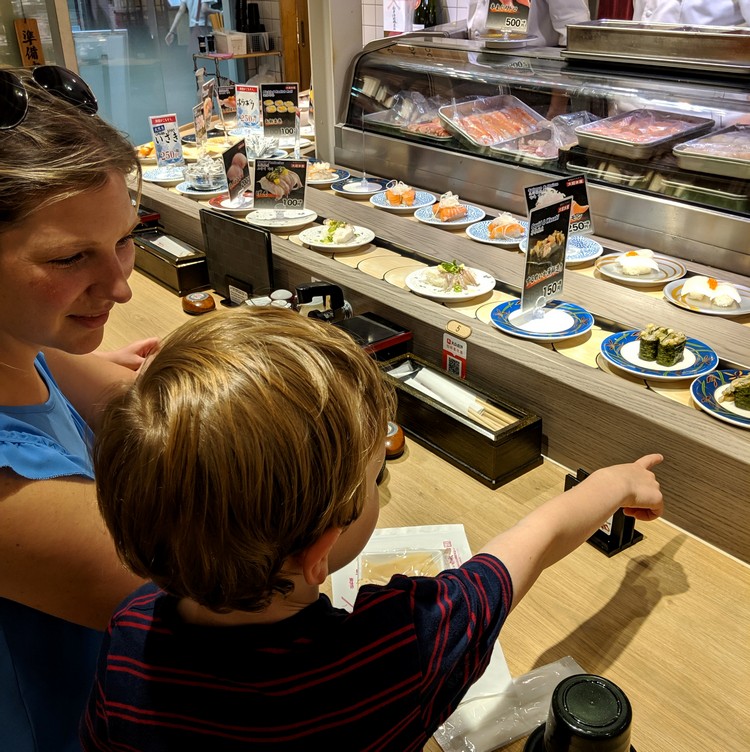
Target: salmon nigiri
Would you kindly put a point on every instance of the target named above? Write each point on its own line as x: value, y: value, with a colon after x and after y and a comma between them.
x: 448, y: 208
x: 505, y: 227
x: 400, y: 193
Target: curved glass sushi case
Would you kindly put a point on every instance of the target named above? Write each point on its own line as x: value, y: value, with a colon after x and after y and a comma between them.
x: 666, y: 154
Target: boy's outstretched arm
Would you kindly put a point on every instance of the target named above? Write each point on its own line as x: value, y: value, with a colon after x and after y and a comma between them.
x: 558, y: 527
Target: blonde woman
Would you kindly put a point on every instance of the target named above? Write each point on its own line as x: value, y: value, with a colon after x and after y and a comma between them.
x: 66, y: 251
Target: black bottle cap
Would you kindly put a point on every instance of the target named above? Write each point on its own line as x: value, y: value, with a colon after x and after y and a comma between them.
x: 587, y: 714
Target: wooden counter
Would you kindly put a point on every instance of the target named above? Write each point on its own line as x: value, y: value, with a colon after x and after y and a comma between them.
x: 590, y: 417
x: 667, y: 620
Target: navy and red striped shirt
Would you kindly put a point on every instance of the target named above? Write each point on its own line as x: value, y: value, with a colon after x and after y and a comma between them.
x: 383, y: 677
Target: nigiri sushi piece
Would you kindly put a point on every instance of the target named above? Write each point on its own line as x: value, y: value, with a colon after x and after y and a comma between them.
x: 637, y: 263
x: 506, y: 227
x: 400, y: 194
x: 449, y: 208
x: 721, y: 294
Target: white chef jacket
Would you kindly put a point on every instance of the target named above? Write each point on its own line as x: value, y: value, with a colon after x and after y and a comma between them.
x: 548, y: 19
x: 693, y: 12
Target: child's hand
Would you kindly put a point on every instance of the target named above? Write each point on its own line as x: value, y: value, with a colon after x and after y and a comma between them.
x: 642, y: 497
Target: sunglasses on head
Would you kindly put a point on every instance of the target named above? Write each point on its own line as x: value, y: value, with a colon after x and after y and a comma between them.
x: 61, y: 82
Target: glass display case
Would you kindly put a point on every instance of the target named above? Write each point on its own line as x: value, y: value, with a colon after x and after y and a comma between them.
x: 666, y: 153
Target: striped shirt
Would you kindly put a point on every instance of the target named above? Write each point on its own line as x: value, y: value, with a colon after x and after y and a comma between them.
x: 383, y: 677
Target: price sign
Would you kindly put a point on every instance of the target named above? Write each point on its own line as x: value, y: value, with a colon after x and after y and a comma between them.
x: 574, y: 187
x: 165, y: 134
x: 280, y: 184
x: 508, y: 15
x: 545, y: 257
x: 279, y: 104
x: 248, y: 107
x: 237, y: 169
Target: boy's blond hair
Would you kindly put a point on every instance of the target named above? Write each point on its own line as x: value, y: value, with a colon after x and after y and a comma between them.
x: 243, y: 441
x: 57, y: 152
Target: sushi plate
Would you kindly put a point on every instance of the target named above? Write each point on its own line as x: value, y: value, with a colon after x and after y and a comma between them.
x: 354, y: 188
x: 418, y: 282
x: 561, y: 321
x: 421, y: 198
x: 473, y: 214
x: 481, y: 233
x: 580, y: 249
x: 313, y: 236
x: 185, y: 189
x: 621, y: 350
x: 222, y: 203
x: 706, y: 392
x: 287, y: 219
x: 668, y: 271
x: 336, y: 176
x: 672, y: 294
x: 167, y: 176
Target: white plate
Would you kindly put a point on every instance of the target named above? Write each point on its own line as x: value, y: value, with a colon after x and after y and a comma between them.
x: 336, y: 175
x: 167, y: 176
x: 417, y: 283
x: 287, y: 219
x: 580, y: 249
x: 481, y: 233
x: 312, y: 236
x: 672, y: 294
x: 421, y: 198
x: 353, y: 187
x: 185, y: 189
x: 222, y: 203
x: 474, y: 214
x: 669, y: 270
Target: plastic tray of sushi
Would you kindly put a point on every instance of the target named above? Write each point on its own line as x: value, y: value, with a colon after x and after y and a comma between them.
x: 537, y: 148
x: 487, y: 121
x: 640, y: 134
x: 724, y: 152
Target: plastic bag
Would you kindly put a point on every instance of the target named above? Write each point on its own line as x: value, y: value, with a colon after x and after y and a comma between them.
x: 264, y: 76
x: 485, y: 723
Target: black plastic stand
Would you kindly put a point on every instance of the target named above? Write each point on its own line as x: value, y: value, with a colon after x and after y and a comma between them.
x: 609, y: 539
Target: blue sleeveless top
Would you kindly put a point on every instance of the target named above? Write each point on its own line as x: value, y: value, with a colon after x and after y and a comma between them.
x: 46, y: 664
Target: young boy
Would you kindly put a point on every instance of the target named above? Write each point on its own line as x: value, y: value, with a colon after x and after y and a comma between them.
x: 237, y: 473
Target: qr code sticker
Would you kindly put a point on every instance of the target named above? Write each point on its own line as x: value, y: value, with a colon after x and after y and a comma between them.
x: 453, y: 366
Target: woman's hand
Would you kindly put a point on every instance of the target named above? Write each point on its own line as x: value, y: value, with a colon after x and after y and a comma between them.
x: 132, y: 356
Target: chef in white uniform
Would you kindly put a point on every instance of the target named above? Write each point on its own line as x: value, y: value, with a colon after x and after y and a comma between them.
x: 693, y: 12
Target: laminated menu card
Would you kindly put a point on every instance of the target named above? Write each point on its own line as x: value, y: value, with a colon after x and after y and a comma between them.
x: 574, y: 187
x: 280, y: 110
x: 545, y: 258
x: 280, y: 183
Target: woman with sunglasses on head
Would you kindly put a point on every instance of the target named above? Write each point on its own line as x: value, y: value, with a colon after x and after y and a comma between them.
x: 66, y: 252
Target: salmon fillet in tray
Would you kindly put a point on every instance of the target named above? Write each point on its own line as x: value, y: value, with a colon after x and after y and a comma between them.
x: 488, y: 121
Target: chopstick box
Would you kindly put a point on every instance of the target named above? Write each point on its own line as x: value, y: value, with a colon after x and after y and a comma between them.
x: 490, y: 454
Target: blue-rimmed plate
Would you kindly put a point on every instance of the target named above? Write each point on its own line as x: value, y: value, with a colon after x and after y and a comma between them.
x: 707, y: 391
x: 621, y: 350
x: 561, y: 320
x: 473, y: 214
x: 354, y: 188
x: 580, y: 249
x: 334, y: 175
x: 421, y: 198
x: 167, y: 176
x: 481, y: 233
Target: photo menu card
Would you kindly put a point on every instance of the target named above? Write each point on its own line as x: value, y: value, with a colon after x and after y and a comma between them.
x: 280, y: 102
x: 545, y: 257
x: 574, y: 187
x: 280, y: 184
